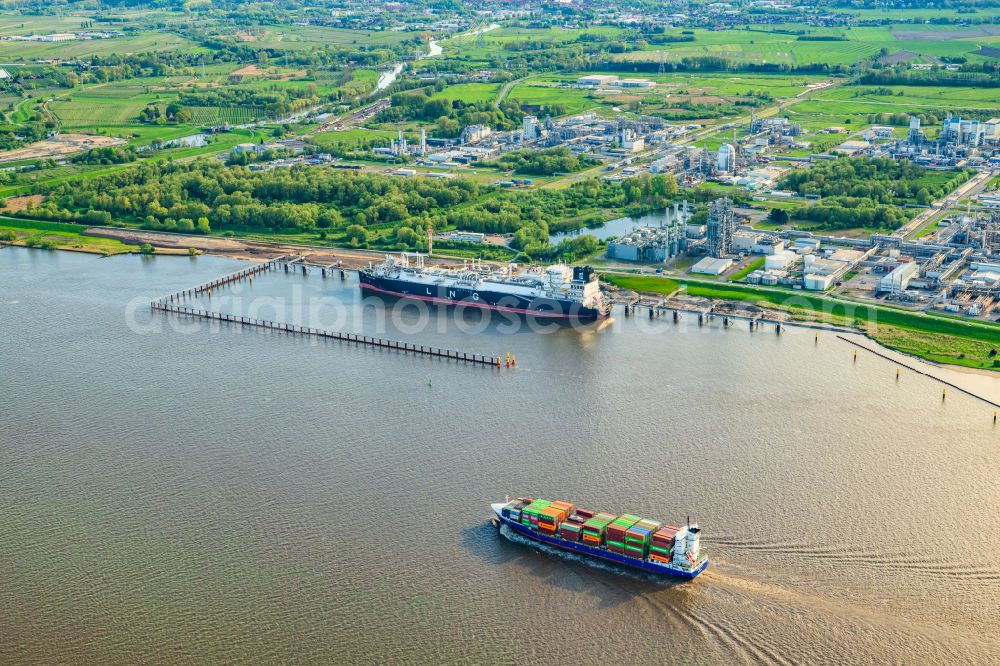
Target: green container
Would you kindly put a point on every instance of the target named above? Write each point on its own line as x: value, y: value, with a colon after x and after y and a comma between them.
x: 658, y: 550
x: 626, y: 520
x: 595, y: 525
x: 616, y: 543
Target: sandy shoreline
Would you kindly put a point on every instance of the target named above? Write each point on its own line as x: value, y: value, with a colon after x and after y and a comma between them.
x: 246, y: 250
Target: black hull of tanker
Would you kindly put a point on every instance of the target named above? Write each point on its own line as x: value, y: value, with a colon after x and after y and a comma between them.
x: 547, y: 308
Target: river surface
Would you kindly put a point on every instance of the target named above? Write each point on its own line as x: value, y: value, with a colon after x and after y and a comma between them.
x: 615, y: 228
x: 175, y: 493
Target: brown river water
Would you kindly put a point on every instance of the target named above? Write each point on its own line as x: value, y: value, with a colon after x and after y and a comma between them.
x: 175, y: 493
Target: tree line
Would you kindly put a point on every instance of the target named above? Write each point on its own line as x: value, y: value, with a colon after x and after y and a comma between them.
x: 880, y: 180
x: 358, y: 207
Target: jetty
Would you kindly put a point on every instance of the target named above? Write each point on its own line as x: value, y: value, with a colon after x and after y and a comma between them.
x: 174, y: 303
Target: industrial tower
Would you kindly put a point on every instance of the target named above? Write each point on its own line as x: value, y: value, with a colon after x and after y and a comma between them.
x: 721, y: 227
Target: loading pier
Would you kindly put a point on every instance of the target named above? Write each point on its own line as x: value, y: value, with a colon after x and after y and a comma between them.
x: 172, y: 303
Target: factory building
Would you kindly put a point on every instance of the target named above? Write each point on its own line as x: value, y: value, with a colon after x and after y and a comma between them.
x: 644, y: 245
x: 474, y: 133
x: 896, y: 281
x: 654, y: 244
x: 780, y: 260
x: 631, y: 141
x: 597, y: 80
x: 712, y: 266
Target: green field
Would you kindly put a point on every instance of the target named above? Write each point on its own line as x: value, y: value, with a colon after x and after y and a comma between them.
x: 140, y: 43
x: 469, y: 92
x: 775, y: 44
x: 850, y: 106
x: 572, y: 101
x: 56, y: 236
x: 671, y: 91
x: 306, y: 37
x: 493, y: 41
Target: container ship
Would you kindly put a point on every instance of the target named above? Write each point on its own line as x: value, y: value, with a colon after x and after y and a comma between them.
x: 631, y: 541
x: 555, y: 292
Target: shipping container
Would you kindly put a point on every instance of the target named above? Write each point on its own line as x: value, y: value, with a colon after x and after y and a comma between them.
x: 638, y: 535
x: 651, y: 525
x: 664, y: 537
x: 584, y: 513
x: 570, y: 531
x: 620, y: 525
x: 552, y: 515
x: 565, y: 506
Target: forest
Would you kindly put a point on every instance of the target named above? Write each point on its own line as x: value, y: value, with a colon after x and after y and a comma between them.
x: 548, y: 162
x: 881, y: 180
x: 450, y: 116
x: 851, y: 213
x: 364, y: 209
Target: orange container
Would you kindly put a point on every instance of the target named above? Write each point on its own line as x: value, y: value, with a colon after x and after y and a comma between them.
x: 551, y: 516
x: 565, y: 506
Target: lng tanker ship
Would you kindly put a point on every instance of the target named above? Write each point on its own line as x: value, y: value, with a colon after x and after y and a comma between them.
x: 639, y: 543
x: 558, y: 291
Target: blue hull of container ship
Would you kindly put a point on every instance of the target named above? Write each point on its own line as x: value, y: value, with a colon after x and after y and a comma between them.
x: 606, y: 555
x: 549, y: 308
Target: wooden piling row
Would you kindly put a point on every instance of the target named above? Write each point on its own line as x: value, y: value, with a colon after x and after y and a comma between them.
x: 476, y: 359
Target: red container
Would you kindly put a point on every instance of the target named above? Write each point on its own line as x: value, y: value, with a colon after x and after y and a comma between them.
x: 569, y: 535
x: 617, y: 532
x: 584, y: 513
x: 665, y: 537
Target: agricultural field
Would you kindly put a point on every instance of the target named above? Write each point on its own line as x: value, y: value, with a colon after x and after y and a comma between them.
x: 68, y: 50
x: 101, y: 108
x: 306, y: 37
x: 777, y: 44
x: 39, y: 25
x: 465, y: 45
x: 853, y: 104
x: 672, y: 91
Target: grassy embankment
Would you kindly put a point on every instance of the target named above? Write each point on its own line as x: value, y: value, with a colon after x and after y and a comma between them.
x: 57, y: 236
x: 937, y: 338
x: 747, y: 270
